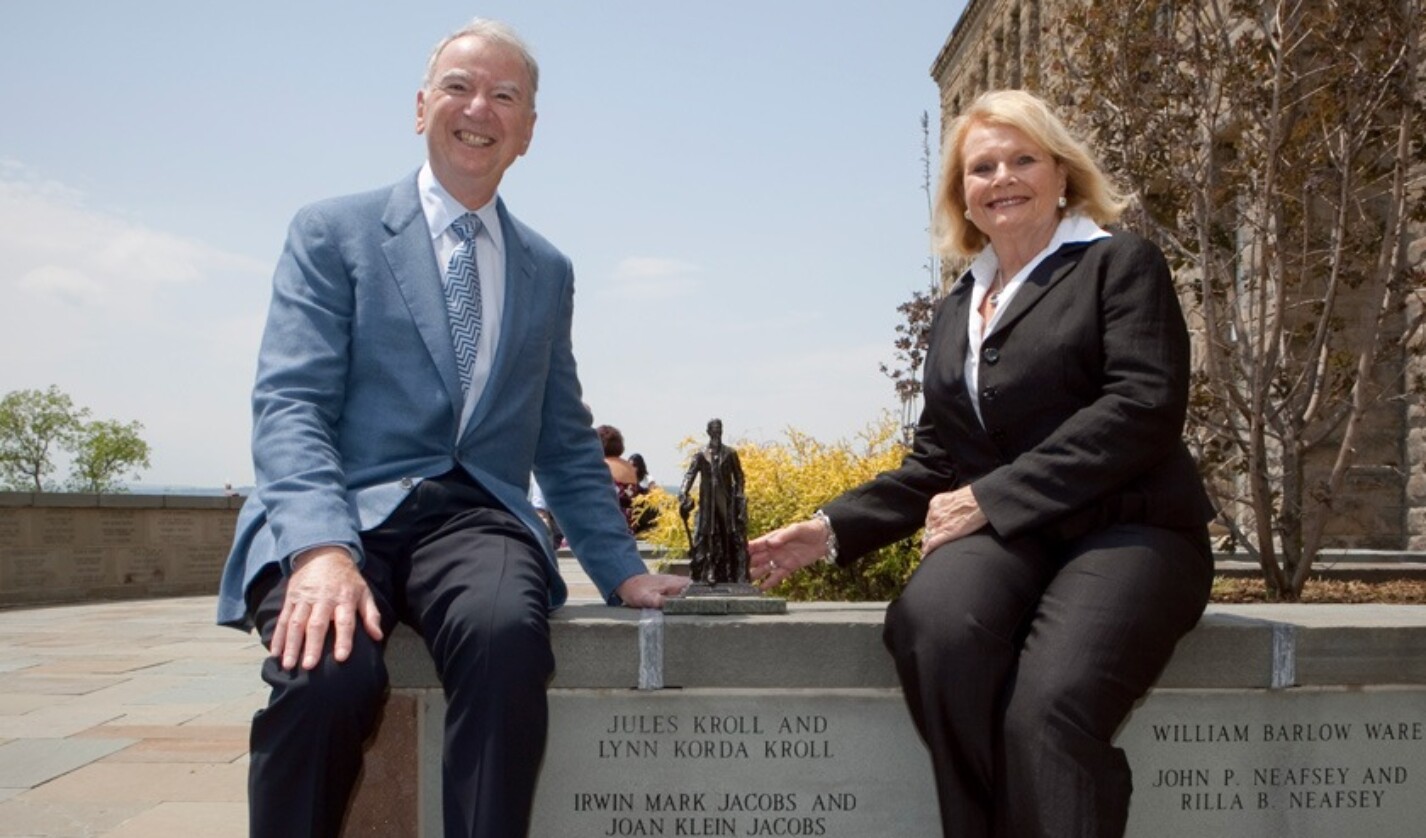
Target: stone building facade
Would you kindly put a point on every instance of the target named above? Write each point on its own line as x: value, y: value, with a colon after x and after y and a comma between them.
x: 1013, y: 44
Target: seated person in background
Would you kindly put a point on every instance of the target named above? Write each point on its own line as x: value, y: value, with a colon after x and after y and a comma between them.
x: 646, y: 516
x: 626, y: 478
x: 641, y: 469
x: 542, y: 509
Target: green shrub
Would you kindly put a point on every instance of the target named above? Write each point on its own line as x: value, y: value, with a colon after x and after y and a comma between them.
x: 788, y: 481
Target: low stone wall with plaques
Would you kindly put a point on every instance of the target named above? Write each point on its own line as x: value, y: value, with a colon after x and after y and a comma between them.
x: 1271, y: 720
x: 57, y: 548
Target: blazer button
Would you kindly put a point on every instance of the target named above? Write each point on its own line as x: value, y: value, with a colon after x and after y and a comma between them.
x: 406, y: 483
x: 988, y: 394
x: 991, y: 355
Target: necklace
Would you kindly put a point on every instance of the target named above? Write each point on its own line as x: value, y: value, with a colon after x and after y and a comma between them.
x: 996, y: 291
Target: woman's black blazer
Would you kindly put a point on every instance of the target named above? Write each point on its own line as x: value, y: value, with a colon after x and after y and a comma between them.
x: 1084, y: 390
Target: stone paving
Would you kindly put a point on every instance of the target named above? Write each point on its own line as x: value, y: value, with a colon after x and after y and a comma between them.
x: 128, y: 719
x: 125, y: 719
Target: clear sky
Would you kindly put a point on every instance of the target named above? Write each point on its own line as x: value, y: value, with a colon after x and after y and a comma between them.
x: 738, y: 183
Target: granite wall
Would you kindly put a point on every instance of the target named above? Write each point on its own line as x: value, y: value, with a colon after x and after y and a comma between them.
x: 57, y: 548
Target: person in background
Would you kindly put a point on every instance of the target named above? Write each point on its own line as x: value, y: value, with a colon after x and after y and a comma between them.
x: 1065, y: 547
x: 641, y: 470
x: 415, y: 369
x: 626, y: 477
x: 542, y: 509
x: 646, y: 515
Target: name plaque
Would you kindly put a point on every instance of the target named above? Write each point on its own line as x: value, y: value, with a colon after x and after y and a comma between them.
x: 1301, y: 762
x: 716, y: 762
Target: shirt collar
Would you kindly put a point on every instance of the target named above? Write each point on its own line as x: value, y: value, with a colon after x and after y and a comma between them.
x: 1072, y: 229
x: 441, y: 208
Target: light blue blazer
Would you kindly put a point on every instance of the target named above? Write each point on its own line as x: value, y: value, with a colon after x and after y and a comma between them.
x: 358, y: 399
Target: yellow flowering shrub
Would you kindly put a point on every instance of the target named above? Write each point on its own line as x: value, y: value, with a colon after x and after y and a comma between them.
x: 786, y: 482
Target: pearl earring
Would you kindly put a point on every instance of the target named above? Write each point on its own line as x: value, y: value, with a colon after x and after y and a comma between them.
x: 967, y: 214
x: 1063, y: 203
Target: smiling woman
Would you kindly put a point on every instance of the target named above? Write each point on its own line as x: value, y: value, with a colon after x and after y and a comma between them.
x: 1014, y: 123
x: 1061, y: 510
x: 1013, y: 192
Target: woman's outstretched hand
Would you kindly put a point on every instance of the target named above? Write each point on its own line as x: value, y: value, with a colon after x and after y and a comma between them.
x: 777, y: 555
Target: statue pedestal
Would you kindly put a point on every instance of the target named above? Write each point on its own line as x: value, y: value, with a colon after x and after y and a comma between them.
x: 724, y: 598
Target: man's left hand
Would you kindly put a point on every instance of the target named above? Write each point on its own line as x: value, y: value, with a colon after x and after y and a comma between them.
x: 648, y: 590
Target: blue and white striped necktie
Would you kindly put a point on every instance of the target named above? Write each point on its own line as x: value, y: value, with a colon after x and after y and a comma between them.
x: 462, y: 283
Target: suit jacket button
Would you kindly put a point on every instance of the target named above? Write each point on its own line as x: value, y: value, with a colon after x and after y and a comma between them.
x: 406, y: 483
x: 988, y: 394
x: 991, y: 355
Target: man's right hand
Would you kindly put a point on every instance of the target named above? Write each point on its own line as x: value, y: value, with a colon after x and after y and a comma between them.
x: 650, y: 590
x: 326, y: 590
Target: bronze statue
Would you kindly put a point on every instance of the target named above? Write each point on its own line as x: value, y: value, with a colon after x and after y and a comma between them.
x: 718, y: 543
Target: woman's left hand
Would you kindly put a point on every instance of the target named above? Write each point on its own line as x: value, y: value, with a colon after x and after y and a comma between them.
x: 952, y: 515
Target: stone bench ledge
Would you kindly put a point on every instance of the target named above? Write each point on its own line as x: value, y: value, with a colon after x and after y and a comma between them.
x: 838, y: 645
x: 806, y: 704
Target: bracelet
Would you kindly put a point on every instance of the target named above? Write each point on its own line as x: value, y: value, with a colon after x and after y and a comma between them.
x: 831, y: 546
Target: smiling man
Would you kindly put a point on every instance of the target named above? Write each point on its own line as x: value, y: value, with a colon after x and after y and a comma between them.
x: 416, y: 368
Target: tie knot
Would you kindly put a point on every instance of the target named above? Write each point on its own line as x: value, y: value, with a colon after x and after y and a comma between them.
x: 466, y: 226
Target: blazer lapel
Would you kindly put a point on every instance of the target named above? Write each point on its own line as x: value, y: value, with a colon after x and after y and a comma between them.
x: 956, y: 318
x: 520, y: 303
x: 1046, y: 274
x: 412, y: 261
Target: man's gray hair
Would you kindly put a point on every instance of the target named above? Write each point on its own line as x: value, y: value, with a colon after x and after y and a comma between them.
x: 492, y: 31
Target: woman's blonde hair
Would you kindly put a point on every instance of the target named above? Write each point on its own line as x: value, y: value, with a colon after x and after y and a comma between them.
x: 1088, y: 190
